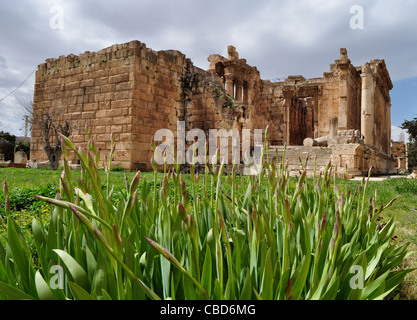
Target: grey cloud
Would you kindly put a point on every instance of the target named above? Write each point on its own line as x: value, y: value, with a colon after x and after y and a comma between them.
x: 279, y: 37
x: 3, y: 62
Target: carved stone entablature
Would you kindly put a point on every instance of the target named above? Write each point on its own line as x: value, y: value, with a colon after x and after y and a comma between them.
x: 382, y: 78
x: 348, y: 136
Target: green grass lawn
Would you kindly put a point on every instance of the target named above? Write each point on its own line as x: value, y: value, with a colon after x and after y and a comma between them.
x: 32, y: 178
x: 404, y: 209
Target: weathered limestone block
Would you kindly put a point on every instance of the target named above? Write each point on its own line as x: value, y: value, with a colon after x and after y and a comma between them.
x: 347, y: 136
x: 4, y: 164
x: 20, y: 157
x: 412, y: 176
x: 349, y: 156
x: 37, y: 165
x: 319, y: 142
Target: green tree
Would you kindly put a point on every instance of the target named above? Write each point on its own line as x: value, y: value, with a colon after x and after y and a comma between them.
x: 50, y: 127
x: 8, y: 142
x: 411, y: 127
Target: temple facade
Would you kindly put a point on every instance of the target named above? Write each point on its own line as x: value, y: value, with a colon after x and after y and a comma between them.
x: 131, y: 91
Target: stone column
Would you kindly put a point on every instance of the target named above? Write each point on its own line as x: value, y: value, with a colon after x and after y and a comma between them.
x: 287, y: 120
x: 389, y: 129
x: 343, y: 101
x: 245, y: 93
x: 239, y: 90
x: 368, y: 112
x: 343, y: 66
x: 229, y: 84
x: 333, y: 128
x: 250, y: 91
x: 310, y: 121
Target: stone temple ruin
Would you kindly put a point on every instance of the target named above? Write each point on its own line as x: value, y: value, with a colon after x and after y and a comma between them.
x: 132, y: 91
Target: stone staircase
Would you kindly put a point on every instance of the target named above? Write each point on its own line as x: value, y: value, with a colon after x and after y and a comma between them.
x: 293, y: 154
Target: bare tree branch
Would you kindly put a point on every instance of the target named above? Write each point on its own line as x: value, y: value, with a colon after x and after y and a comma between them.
x: 50, y: 127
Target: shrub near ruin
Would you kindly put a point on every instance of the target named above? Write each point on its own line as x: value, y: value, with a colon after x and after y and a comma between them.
x: 314, y: 241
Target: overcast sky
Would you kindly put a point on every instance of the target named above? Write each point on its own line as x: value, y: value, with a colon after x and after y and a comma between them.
x: 279, y: 37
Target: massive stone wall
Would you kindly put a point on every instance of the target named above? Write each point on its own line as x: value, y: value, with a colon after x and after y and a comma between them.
x: 400, y: 153
x: 157, y: 96
x: 126, y: 90
x: 130, y: 91
x: 94, y: 88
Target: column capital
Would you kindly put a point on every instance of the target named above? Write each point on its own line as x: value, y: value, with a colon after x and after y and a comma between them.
x: 229, y: 85
x: 366, y: 68
x: 229, y: 76
x: 238, y: 82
